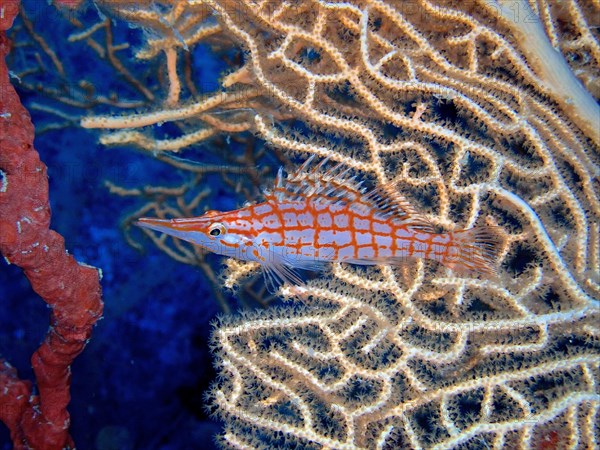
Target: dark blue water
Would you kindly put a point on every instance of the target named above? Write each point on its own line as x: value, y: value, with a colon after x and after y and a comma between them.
x: 139, y: 383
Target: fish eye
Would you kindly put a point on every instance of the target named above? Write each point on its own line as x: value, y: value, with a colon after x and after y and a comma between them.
x: 216, y: 229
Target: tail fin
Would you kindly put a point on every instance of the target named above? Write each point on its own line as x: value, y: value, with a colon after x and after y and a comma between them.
x: 473, y: 251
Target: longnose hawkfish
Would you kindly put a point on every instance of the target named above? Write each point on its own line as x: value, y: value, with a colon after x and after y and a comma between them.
x: 316, y: 216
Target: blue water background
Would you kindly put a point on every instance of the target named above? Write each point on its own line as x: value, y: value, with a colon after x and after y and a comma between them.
x: 139, y: 383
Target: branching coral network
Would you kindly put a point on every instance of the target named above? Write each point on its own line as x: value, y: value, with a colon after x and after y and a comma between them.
x: 445, y: 101
x: 481, y: 113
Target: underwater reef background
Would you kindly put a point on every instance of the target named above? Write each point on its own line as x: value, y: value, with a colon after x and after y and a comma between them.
x: 139, y: 383
x: 199, y: 102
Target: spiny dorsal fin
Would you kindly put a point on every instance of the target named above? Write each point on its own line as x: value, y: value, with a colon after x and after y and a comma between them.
x: 315, y: 182
x: 334, y: 184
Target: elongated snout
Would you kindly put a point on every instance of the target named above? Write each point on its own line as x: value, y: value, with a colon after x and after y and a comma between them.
x: 203, y: 231
x: 161, y: 225
x: 179, y: 228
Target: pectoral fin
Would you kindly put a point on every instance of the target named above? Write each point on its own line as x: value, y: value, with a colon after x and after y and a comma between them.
x: 280, y: 273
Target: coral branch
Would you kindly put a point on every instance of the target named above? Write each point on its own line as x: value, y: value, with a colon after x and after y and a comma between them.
x: 552, y: 68
x: 71, y: 290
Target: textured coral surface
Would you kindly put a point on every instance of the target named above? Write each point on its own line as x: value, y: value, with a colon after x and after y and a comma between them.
x: 71, y: 290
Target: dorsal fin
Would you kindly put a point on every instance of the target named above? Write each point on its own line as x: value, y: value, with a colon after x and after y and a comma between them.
x: 306, y: 182
x: 334, y: 184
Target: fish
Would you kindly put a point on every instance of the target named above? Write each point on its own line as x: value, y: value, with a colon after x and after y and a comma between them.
x: 319, y: 215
